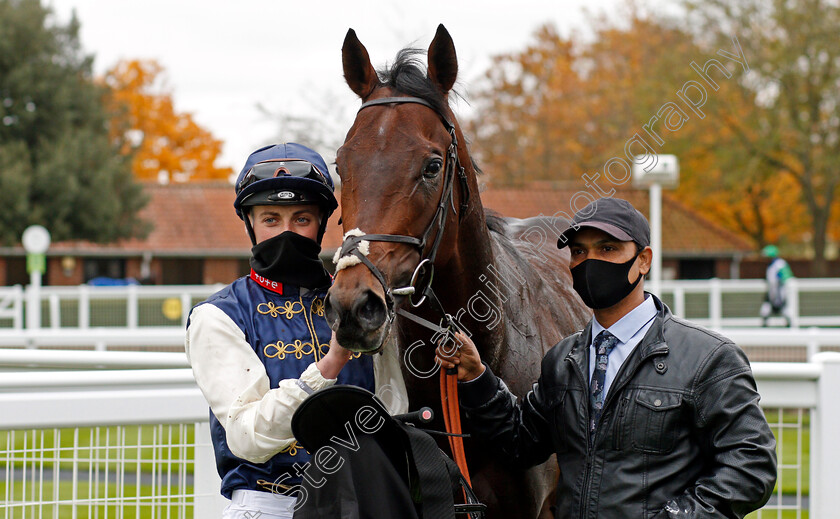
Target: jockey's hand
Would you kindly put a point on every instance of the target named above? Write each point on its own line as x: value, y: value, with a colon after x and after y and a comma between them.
x: 463, y: 354
x: 330, y: 364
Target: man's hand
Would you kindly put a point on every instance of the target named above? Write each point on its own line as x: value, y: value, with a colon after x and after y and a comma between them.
x: 330, y: 364
x: 463, y: 354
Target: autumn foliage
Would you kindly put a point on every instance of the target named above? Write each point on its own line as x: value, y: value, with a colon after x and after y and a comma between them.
x: 167, y: 146
x: 563, y: 106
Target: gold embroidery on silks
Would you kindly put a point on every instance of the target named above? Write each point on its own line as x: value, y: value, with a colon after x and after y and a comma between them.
x: 288, y: 310
x: 318, y: 307
x: 310, y: 325
x: 298, y: 348
x: 324, y: 348
x: 292, y: 449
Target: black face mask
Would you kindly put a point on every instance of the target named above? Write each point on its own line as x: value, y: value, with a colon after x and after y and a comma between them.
x: 601, y: 284
x: 290, y: 259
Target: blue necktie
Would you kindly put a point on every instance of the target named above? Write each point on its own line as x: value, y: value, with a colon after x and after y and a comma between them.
x: 604, y: 343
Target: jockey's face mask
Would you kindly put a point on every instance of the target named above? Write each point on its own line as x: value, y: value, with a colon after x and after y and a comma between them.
x: 282, y: 168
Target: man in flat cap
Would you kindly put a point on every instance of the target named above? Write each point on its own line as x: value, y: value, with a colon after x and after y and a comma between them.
x: 650, y: 416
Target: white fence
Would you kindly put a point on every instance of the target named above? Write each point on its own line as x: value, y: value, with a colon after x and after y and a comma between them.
x: 106, y: 444
x: 135, y: 443
x: 728, y: 303
x: 717, y: 303
x: 761, y: 344
x: 84, y: 307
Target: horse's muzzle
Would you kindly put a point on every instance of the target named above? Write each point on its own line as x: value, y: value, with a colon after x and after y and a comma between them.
x: 360, y: 323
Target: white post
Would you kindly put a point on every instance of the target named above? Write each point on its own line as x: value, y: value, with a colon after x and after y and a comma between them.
x: 679, y: 302
x: 131, y: 306
x: 55, y: 311
x: 186, y: 306
x: 812, y: 343
x: 207, y: 484
x: 17, y: 320
x: 36, y: 241
x: 792, y: 288
x: 825, y: 449
x: 715, y: 304
x: 33, y: 306
x: 656, y: 238
x: 84, y: 307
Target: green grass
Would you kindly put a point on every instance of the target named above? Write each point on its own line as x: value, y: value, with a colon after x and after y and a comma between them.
x: 786, y: 514
x: 788, y: 446
x: 141, y: 454
x: 106, y: 501
x: 141, y: 448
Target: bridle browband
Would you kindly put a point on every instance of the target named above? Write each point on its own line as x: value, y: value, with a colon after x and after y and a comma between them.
x: 424, y: 272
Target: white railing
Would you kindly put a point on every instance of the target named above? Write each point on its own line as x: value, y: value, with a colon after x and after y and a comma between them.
x: 169, y: 338
x: 717, y: 303
x: 69, y: 435
x: 764, y: 344
x: 11, y: 306
x: 84, y: 306
x: 732, y: 303
x: 106, y: 443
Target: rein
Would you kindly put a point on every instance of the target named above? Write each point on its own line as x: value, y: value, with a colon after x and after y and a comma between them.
x: 421, y: 279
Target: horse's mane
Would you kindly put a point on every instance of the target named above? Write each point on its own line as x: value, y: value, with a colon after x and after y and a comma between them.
x: 407, y: 74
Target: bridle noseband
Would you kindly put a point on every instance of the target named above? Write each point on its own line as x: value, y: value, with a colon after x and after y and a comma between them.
x: 421, y: 279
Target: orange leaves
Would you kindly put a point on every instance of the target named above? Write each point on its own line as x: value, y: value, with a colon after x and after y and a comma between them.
x: 167, y: 146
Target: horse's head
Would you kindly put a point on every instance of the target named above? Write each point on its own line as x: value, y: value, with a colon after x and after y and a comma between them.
x: 403, y: 188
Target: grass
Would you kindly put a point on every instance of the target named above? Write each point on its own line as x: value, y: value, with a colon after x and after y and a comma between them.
x: 96, y: 501
x: 790, y: 427
x: 139, y: 448
x: 123, y: 471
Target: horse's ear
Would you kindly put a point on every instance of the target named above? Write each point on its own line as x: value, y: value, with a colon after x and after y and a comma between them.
x: 443, y: 64
x: 358, y: 72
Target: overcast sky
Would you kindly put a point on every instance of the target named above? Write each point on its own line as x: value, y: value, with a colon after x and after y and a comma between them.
x: 224, y: 58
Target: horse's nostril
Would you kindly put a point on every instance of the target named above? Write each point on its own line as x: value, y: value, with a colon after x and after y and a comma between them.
x: 369, y: 311
x: 332, y: 314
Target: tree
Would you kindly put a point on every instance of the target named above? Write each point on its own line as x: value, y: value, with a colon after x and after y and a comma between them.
x: 165, y: 145
x: 58, y: 166
x: 529, y: 115
x: 563, y: 108
x: 795, y: 81
x: 321, y: 128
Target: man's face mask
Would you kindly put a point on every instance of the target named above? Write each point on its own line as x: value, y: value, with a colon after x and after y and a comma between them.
x: 602, y: 284
x: 290, y: 258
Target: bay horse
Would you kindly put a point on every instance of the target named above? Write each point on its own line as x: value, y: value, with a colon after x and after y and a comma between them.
x: 413, y: 219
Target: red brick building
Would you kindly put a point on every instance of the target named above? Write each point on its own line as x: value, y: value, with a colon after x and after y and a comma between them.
x: 197, y: 239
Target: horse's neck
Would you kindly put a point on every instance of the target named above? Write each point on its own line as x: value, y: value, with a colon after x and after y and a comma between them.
x: 467, y: 286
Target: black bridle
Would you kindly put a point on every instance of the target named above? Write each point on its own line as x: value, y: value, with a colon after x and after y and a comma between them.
x: 421, y: 280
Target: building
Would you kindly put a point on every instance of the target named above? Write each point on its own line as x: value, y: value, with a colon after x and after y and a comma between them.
x: 197, y: 239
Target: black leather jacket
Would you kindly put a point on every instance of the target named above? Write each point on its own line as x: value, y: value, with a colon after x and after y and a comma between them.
x: 681, y: 434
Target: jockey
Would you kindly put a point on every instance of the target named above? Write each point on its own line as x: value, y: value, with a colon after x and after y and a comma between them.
x: 261, y: 345
x: 775, y: 299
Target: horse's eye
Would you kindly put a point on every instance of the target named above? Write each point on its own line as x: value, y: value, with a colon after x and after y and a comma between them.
x: 433, y: 168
